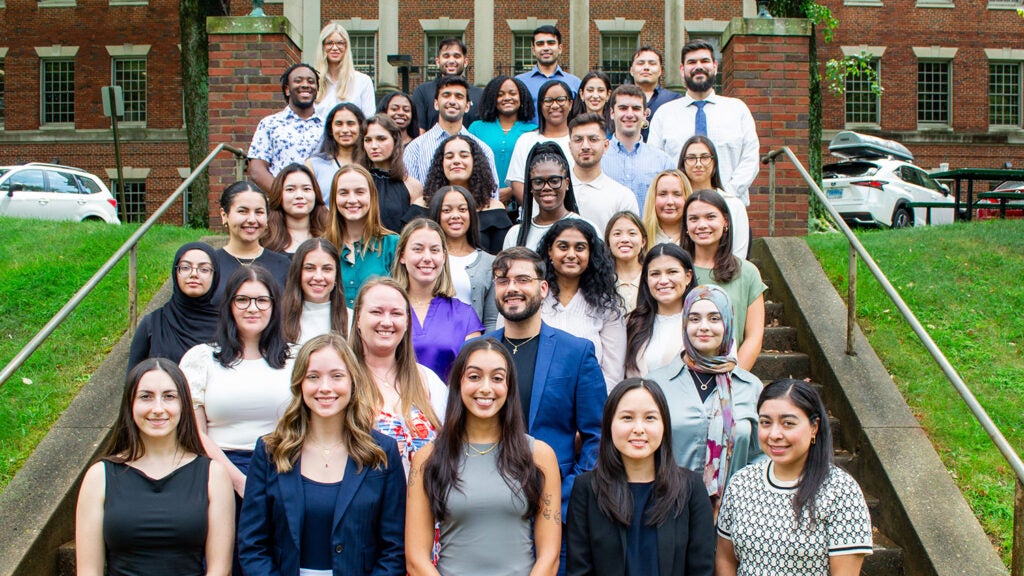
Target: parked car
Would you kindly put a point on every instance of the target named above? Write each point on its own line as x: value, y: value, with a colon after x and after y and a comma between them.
x: 993, y: 213
x: 54, y: 192
x: 876, y: 180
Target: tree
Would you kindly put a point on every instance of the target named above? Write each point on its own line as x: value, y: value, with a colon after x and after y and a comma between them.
x: 195, y: 61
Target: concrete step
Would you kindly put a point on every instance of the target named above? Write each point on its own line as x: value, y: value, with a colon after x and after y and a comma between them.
x: 886, y: 558
x: 779, y: 339
x: 774, y: 313
x: 771, y: 366
x: 66, y: 559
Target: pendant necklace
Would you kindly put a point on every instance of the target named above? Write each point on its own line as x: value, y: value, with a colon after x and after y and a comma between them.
x: 515, y: 347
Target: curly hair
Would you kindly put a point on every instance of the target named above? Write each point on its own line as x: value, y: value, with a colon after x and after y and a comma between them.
x: 489, y: 101
x: 640, y: 322
x: 481, y: 181
x: 413, y: 129
x: 277, y: 237
x: 598, y: 280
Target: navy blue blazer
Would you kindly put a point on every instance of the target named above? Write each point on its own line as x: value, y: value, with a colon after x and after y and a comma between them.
x: 568, y: 397
x: 368, y: 535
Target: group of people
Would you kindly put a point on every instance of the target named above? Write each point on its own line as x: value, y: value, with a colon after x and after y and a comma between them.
x: 512, y: 348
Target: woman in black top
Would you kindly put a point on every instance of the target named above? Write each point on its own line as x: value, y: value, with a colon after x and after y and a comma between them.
x: 155, y: 504
x: 637, y: 512
x: 383, y: 150
x: 189, y: 317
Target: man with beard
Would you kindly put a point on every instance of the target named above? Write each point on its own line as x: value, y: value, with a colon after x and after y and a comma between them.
x: 452, y: 60
x: 561, y: 386
x: 598, y: 196
x: 726, y: 121
x: 547, y: 47
x: 451, y: 100
x: 291, y: 135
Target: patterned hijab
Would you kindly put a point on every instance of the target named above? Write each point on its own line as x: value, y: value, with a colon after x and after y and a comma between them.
x: 185, y: 321
x: 721, y: 435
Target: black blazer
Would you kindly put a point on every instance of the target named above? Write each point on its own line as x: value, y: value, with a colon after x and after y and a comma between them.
x: 597, y: 544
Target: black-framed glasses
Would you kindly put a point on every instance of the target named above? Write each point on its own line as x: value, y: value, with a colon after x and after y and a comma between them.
x: 553, y: 181
x: 243, y: 302
x: 560, y: 100
x: 523, y: 280
x: 692, y: 159
x: 186, y: 270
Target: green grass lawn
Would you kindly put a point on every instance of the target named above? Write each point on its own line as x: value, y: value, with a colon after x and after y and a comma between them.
x: 42, y: 264
x: 965, y: 284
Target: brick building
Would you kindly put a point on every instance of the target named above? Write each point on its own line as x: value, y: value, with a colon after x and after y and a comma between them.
x: 953, y: 97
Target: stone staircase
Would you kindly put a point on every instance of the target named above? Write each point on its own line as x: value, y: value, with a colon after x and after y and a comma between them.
x: 781, y: 357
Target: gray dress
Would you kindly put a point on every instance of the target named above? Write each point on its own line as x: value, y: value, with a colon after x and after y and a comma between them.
x: 485, y: 532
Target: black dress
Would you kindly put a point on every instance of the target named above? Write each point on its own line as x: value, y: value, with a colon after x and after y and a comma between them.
x: 156, y: 527
x: 392, y: 199
x: 494, y: 224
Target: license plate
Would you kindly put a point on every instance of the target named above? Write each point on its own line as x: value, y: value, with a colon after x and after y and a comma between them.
x: 834, y: 193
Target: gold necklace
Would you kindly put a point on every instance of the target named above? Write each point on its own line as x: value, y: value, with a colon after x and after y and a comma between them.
x: 515, y: 347
x: 703, y: 384
x: 478, y: 452
x: 326, y: 451
x: 250, y: 260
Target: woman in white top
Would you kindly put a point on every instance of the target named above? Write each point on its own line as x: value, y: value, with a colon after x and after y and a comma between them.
x: 410, y: 399
x: 313, y: 301
x: 240, y: 382
x: 550, y: 187
x: 656, y: 323
x: 554, y: 101
x: 627, y: 241
x: 700, y: 161
x: 663, y: 209
x: 581, y: 293
x: 339, y: 80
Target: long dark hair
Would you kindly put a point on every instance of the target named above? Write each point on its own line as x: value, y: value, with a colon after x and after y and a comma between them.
x: 716, y: 178
x: 292, y: 299
x: 396, y: 167
x: 727, y: 266
x: 273, y: 347
x: 640, y: 322
x: 542, y: 93
x: 544, y: 152
x: 489, y: 101
x: 329, y: 146
x: 819, y: 456
x: 125, y: 442
x: 609, y: 477
x: 227, y: 197
x: 277, y: 238
x: 481, y: 181
x: 598, y: 280
x: 579, y: 105
x: 473, y: 232
x: 513, y: 454
x: 413, y: 129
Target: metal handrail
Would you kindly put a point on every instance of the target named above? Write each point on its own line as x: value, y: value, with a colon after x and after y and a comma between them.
x: 129, y: 246
x: 856, y: 248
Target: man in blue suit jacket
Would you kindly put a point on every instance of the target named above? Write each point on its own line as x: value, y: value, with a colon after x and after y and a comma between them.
x: 561, y: 384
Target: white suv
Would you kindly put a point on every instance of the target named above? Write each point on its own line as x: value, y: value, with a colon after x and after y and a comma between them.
x: 876, y: 180
x: 54, y: 192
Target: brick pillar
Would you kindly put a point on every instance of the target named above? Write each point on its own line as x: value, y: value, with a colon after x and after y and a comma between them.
x: 765, y: 64
x: 247, y: 57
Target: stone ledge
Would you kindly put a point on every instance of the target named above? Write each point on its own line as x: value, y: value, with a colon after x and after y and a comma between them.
x: 765, y: 27
x: 253, y: 25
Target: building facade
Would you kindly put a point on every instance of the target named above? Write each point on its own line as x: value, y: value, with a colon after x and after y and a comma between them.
x: 952, y: 97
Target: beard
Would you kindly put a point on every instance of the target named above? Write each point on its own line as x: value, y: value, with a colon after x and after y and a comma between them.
x: 530, y: 307
x: 695, y: 86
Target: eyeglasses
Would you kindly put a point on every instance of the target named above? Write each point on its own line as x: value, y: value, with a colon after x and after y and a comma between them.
x: 186, y: 270
x: 330, y: 45
x: 560, y: 100
x: 243, y: 302
x: 503, y: 281
x: 552, y: 181
x: 702, y: 159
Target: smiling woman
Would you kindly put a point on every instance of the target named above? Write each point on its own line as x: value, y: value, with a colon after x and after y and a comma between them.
x: 243, y: 209
x: 339, y: 80
x: 296, y: 210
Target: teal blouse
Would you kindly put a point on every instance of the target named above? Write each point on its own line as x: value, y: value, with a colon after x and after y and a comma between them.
x: 365, y: 266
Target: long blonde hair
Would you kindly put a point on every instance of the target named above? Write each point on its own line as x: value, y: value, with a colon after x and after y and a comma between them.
x: 284, y: 444
x: 443, y: 286
x: 651, y: 225
x: 412, y: 390
x: 347, y: 68
x: 373, y: 231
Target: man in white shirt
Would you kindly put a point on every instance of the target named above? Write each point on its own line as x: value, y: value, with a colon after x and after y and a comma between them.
x: 598, y: 196
x: 726, y: 121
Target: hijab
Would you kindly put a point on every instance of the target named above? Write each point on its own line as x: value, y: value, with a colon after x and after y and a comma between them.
x: 185, y: 321
x: 721, y: 435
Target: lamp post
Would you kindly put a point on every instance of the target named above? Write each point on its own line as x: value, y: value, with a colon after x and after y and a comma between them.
x: 402, y: 62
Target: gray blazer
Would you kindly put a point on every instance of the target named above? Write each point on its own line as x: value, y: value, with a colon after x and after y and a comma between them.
x: 481, y: 281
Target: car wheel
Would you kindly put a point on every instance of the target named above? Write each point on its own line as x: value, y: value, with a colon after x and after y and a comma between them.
x: 901, y: 218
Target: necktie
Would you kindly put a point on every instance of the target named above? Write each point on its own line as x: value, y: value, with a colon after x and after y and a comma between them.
x: 701, y: 124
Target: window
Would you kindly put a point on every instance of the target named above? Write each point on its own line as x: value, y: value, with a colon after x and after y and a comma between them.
x: 617, y: 55
x: 364, y: 53
x: 58, y: 101
x: 862, y: 105
x: 1004, y: 93
x: 25, y: 181
x: 63, y: 182
x: 933, y: 87
x: 432, y: 42
x: 134, y: 199
x: 130, y: 75
x: 522, y: 53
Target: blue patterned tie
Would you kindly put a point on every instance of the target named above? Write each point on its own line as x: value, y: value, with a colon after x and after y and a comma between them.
x: 701, y: 125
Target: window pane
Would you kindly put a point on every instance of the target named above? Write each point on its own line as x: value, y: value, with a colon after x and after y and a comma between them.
x: 130, y: 75
x: 58, y: 91
x: 522, y: 53
x: 364, y: 54
x: 28, y: 181
x: 861, y: 103
x: 62, y: 182
x: 134, y: 199
x: 1004, y: 94
x: 933, y: 92
x: 617, y: 55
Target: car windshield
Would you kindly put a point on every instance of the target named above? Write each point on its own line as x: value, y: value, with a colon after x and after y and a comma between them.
x: 1005, y: 186
x: 849, y: 169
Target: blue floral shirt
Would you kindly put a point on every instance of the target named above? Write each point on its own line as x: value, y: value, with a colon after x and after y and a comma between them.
x: 284, y: 137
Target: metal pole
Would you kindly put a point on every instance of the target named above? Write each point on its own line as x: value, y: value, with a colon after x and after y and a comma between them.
x: 133, y: 289
x: 771, y: 197
x: 1017, y: 549
x: 851, y: 298
x: 117, y: 156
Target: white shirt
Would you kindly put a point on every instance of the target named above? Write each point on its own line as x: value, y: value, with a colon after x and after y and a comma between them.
x: 460, y: 278
x: 602, y: 198
x: 360, y: 93
x: 607, y: 332
x: 665, y: 344
x: 730, y: 126
x: 517, y: 165
x: 315, y: 320
x: 536, y: 233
